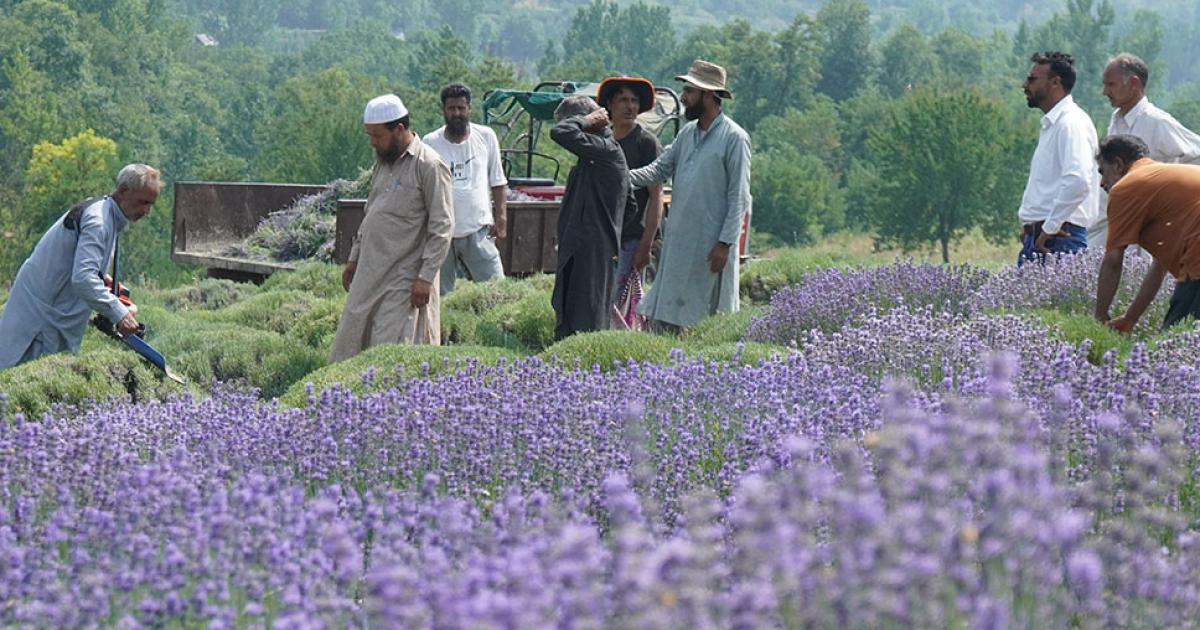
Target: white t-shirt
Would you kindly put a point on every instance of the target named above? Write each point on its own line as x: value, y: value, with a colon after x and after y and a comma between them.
x: 475, y: 168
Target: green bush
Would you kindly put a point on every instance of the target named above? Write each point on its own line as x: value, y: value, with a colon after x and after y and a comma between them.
x: 318, y: 279
x: 205, y: 351
x: 481, y: 297
x: 112, y: 371
x: 530, y: 320
x: 317, y: 326
x: 275, y: 311
x: 391, y: 361
x: 746, y: 353
x: 207, y: 294
x: 722, y: 328
x: 605, y: 347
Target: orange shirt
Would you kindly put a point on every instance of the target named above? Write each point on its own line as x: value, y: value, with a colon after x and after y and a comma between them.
x: 1157, y: 206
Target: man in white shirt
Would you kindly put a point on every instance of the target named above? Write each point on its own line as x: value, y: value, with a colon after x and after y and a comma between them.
x: 1061, y: 197
x: 480, y: 190
x: 1125, y: 80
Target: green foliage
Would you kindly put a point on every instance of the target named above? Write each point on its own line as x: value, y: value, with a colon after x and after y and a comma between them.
x: 108, y: 371
x: 316, y: 134
x: 530, y: 320
x: 389, y: 363
x: 608, y: 349
x: 603, y: 36
x: 207, y: 294
x: 482, y: 297
x: 459, y: 328
x: 323, y: 280
x: 275, y: 311
x: 796, y: 197
x: 945, y: 163
x: 906, y: 60
x: 203, y: 352
x: 59, y: 176
x: 1076, y: 329
x: 847, y: 62
x: 722, y: 328
x: 317, y: 325
x: 812, y: 131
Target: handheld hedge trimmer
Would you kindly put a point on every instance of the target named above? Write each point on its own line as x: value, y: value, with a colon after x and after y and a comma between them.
x: 134, y: 341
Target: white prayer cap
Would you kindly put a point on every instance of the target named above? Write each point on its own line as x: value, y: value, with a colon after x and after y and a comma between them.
x: 384, y: 109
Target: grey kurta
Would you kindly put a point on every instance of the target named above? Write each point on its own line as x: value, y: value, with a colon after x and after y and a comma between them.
x: 710, y: 195
x: 404, y: 235
x: 59, y: 286
x: 589, y: 229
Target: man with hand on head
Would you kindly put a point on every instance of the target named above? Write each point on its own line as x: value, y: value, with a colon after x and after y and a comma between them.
x: 589, y: 220
x: 401, y: 243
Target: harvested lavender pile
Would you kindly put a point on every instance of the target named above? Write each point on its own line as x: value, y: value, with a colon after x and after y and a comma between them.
x: 303, y: 231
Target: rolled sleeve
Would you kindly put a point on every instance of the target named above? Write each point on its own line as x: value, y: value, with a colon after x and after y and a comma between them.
x: 657, y: 171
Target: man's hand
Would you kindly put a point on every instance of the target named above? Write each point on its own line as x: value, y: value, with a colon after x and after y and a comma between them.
x: 1122, y: 324
x: 1040, y: 244
x: 596, y: 120
x: 420, y: 292
x: 499, y: 229
x: 348, y: 275
x: 641, y: 257
x: 717, y: 257
x: 127, y: 326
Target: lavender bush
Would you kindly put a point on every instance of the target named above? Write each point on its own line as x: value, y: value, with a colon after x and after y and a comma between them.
x: 891, y: 470
x: 828, y: 300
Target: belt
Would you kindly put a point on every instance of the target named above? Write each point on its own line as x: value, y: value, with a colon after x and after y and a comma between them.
x: 1036, y: 226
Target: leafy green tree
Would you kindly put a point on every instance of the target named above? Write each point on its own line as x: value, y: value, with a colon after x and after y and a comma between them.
x: 949, y: 169
x: 847, y: 63
x: 906, y: 60
x: 813, y: 131
x: 48, y: 32
x: 58, y: 176
x: 605, y: 39
x: 796, y: 197
x: 316, y: 133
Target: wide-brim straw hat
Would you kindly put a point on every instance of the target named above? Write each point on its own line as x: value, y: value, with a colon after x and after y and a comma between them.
x: 707, y: 76
x: 643, y: 88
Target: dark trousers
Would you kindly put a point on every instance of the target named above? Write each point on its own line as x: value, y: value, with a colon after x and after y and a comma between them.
x: 1185, y: 302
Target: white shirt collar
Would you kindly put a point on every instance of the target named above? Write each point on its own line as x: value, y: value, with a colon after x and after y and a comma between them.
x: 1056, y: 112
x: 1135, y: 111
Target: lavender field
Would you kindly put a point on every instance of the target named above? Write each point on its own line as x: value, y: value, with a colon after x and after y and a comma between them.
x: 897, y: 447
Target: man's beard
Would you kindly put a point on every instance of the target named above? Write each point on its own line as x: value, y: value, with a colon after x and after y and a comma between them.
x: 693, y: 112
x: 457, y: 126
x: 390, y: 154
x: 1033, y: 100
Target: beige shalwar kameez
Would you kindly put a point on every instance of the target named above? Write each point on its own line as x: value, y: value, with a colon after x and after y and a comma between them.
x: 404, y: 235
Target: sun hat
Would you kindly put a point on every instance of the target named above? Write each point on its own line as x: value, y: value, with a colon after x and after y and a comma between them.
x: 643, y: 88
x: 707, y: 76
